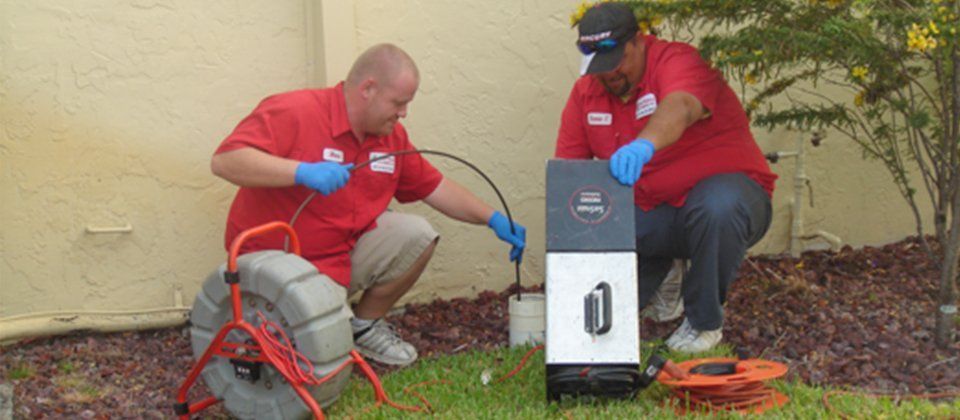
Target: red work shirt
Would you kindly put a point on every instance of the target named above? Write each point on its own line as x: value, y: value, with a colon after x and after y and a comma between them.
x: 312, y: 126
x: 596, y: 123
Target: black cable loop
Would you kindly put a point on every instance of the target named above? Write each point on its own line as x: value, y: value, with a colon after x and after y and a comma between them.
x: 424, y: 152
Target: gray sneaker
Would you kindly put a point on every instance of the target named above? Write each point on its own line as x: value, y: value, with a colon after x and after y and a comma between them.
x: 667, y: 303
x: 380, y: 342
x: 686, y: 339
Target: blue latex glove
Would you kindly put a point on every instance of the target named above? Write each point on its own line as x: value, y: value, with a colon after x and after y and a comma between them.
x: 627, y: 162
x: 501, y: 226
x: 324, y: 177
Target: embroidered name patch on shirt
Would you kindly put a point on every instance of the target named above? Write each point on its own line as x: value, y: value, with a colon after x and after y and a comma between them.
x: 599, y: 118
x: 387, y: 165
x: 333, y: 155
x: 646, y: 105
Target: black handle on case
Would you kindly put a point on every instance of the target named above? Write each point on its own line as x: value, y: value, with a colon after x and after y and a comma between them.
x: 607, y: 292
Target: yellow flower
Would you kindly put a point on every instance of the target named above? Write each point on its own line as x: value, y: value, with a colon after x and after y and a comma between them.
x: 648, y: 24
x: 859, y: 73
x: 919, y: 38
x: 578, y: 13
x: 858, y: 99
x: 581, y: 9
x: 750, y: 79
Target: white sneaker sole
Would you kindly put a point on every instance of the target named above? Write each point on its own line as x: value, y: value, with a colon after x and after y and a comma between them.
x: 384, y: 359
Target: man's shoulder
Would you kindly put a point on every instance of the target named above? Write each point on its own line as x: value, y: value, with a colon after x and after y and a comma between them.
x: 659, y: 49
x: 296, y: 99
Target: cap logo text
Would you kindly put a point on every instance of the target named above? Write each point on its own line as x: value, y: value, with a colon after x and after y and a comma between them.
x: 595, y: 37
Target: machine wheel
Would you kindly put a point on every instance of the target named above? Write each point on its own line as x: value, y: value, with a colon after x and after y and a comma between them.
x: 309, y: 306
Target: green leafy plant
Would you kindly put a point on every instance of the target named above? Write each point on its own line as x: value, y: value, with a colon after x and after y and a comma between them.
x: 895, y: 65
x: 65, y: 366
x: 20, y: 372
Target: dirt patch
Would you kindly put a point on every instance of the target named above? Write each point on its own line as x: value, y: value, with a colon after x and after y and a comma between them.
x: 856, y: 318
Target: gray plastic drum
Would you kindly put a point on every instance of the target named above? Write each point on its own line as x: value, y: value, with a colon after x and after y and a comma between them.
x: 309, y: 306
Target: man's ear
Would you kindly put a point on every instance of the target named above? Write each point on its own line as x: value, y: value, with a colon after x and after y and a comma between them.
x: 638, y: 39
x: 368, y: 88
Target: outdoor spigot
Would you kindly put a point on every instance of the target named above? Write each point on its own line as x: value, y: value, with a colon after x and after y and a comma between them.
x: 817, y: 138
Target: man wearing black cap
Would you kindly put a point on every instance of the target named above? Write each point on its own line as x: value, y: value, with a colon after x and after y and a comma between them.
x: 675, y: 131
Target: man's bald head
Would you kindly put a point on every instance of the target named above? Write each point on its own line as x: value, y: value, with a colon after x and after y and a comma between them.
x: 378, y: 88
x: 382, y: 63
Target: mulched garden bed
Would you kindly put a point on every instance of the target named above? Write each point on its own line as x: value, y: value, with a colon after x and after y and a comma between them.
x: 861, y: 319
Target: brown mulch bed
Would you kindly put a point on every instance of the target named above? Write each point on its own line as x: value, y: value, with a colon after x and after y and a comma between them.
x: 857, y: 318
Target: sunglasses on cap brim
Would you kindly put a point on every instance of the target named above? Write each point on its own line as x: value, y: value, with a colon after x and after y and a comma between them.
x: 600, y: 46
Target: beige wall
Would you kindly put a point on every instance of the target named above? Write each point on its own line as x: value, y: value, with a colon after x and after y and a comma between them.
x: 109, y: 114
x: 110, y: 111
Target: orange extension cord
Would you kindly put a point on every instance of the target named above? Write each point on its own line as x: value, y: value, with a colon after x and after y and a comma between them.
x: 727, y: 384
x: 282, y: 349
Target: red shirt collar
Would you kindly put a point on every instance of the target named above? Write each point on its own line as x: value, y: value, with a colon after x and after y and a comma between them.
x: 339, y: 122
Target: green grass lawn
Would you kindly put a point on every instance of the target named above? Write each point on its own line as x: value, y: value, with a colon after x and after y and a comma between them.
x: 464, y: 394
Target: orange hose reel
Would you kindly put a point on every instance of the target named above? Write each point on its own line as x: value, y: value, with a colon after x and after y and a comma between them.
x: 725, y: 384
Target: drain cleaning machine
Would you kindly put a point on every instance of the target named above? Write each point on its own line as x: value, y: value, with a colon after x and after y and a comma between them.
x: 592, y: 319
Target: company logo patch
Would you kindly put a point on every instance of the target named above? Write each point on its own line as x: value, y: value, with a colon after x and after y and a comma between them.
x: 388, y: 165
x: 646, y: 105
x: 599, y: 118
x: 333, y: 155
x: 590, y: 205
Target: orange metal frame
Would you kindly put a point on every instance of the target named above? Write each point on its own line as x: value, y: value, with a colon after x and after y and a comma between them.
x: 241, y: 351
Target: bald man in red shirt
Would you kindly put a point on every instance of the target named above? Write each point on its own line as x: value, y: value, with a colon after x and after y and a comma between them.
x: 675, y: 131
x: 297, y: 143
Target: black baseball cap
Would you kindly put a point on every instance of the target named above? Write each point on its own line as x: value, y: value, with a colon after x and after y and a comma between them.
x: 604, y: 30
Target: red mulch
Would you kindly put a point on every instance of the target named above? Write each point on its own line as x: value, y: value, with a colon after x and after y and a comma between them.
x: 857, y: 318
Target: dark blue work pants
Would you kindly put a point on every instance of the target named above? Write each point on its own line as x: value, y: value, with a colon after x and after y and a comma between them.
x: 723, y: 216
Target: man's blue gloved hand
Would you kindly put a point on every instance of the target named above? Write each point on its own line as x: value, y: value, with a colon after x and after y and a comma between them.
x: 627, y: 162
x: 501, y: 226
x: 324, y: 177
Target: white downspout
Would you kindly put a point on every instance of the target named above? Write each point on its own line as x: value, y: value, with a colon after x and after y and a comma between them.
x: 331, y: 43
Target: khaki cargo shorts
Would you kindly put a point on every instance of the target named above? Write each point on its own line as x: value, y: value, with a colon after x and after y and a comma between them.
x: 389, y: 250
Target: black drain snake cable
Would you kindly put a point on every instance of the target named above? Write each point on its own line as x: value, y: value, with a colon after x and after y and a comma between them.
x: 426, y: 152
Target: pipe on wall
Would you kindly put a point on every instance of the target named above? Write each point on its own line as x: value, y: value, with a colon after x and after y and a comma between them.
x: 800, y: 180
x: 40, y: 324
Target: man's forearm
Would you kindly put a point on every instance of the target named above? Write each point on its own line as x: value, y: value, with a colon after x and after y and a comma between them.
x: 249, y: 167
x: 675, y: 113
x: 458, y: 203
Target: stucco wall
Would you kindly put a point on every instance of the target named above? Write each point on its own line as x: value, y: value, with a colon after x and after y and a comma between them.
x: 109, y: 113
